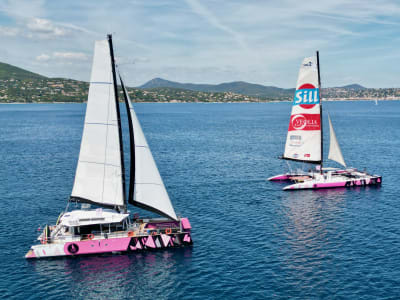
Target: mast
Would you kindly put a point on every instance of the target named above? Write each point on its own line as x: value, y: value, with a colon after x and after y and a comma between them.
x: 121, y: 146
x: 131, y: 145
x: 320, y: 108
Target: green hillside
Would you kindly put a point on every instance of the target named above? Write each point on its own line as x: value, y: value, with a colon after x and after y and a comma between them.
x: 18, y: 85
x: 8, y: 71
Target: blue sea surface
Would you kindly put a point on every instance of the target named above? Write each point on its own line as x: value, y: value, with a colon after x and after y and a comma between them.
x: 251, y: 239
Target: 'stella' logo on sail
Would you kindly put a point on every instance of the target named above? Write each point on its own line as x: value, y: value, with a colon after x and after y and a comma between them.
x: 298, y: 122
x: 305, y: 122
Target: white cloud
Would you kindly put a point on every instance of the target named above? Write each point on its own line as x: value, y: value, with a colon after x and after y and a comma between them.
x: 70, y: 55
x: 44, y: 28
x: 63, y: 57
x: 8, y: 31
x: 43, y: 57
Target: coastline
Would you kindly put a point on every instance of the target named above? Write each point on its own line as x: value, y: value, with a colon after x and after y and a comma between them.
x: 218, y: 102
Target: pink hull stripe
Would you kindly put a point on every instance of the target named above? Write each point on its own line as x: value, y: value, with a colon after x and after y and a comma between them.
x: 165, y: 239
x: 186, y: 238
x: 186, y: 224
x: 150, y: 242
x: 96, y: 246
x: 332, y: 184
x: 362, y: 182
x: 279, y: 177
x: 30, y: 254
x: 138, y: 245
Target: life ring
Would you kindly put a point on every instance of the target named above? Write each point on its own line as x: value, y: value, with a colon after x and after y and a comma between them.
x: 43, y: 241
x: 90, y: 236
x: 168, y: 231
x: 131, y: 233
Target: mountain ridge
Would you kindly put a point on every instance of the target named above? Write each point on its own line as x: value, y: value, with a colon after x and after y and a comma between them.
x: 19, y: 85
x: 239, y: 87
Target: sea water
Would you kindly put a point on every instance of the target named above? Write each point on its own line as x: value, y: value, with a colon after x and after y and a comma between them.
x: 251, y: 239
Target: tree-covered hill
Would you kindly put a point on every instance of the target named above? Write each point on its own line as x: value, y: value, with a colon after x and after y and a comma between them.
x: 8, y: 71
x: 19, y: 85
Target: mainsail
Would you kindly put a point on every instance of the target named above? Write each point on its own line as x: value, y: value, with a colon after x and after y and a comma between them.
x: 303, y: 142
x: 99, y: 177
x: 149, y: 189
x: 334, y: 150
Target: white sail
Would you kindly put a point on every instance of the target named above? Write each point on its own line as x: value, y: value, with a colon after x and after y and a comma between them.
x: 150, y: 192
x: 334, y: 150
x: 303, y: 142
x: 98, y: 177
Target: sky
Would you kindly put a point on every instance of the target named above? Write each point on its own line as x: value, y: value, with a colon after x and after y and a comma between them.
x: 207, y: 41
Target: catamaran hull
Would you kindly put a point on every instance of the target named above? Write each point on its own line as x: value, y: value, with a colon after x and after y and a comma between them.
x: 155, y: 235
x: 314, y: 184
x: 124, y: 244
x: 281, y: 177
x: 291, y: 177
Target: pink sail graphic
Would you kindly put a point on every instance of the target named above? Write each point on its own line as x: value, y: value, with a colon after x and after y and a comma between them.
x: 303, y: 142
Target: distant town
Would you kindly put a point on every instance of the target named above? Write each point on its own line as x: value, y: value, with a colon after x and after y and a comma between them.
x: 18, y: 85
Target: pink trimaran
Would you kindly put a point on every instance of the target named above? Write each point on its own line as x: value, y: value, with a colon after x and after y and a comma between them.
x: 108, y: 227
x: 304, y: 140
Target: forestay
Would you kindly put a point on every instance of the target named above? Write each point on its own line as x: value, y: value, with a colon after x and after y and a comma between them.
x: 303, y: 142
x: 98, y: 177
x: 335, y: 153
x: 150, y: 192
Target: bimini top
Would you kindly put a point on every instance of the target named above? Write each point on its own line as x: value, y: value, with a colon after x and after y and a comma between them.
x: 90, y: 217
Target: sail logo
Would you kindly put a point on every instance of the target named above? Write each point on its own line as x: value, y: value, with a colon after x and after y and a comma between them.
x: 307, y: 96
x: 305, y: 122
x: 295, y: 140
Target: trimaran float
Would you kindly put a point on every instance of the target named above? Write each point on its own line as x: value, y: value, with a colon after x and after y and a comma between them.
x: 304, y: 142
x: 100, y: 182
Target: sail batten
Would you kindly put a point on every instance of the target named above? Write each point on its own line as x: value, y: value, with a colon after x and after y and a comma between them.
x: 335, y: 153
x: 99, y: 176
x: 149, y: 190
x: 303, y: 142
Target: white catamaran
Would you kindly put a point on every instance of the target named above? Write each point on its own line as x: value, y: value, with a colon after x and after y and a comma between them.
x: 100, y: 182
x: 304, y: 142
